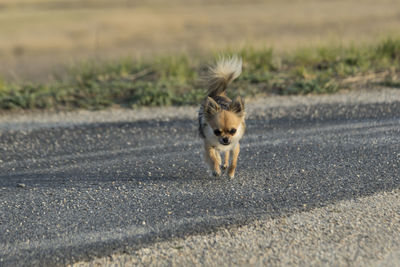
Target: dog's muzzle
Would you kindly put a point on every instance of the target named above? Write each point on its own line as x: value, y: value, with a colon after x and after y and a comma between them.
x: 225, y: 141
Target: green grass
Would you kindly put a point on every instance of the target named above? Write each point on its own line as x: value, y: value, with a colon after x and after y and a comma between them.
x: 176, y: 80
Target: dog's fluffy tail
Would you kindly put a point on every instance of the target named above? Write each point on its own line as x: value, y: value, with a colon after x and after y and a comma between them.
x: 222, y: 74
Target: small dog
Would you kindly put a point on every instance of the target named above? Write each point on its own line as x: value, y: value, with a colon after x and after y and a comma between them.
x: 221, y: 120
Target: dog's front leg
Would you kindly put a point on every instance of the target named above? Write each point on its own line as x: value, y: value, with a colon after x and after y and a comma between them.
x: 235, y: 154
x: 226, y: 160
x: 213, y: 159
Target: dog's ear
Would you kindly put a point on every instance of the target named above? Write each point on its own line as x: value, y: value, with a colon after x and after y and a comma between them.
x: 237, y: 106
x: 211, y: 107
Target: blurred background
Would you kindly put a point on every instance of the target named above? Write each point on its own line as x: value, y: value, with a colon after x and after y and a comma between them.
x: 40, y: 37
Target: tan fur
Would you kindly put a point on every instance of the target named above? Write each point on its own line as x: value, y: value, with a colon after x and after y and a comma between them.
x: 213, y: 158
x: 226, y: 163
x: 235, y: 154
x: 219, y: 116
x: 225, y: 121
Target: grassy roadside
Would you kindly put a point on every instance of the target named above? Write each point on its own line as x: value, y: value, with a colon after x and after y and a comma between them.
x: 176, y: 80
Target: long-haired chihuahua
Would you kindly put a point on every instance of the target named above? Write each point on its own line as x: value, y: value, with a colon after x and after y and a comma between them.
x: 222, y: 120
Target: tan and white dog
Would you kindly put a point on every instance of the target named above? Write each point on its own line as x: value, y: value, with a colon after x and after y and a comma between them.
x: 222, y: 120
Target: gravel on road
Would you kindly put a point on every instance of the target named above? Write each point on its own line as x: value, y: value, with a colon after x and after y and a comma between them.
x: 317, y: 184
x: 362, y: 232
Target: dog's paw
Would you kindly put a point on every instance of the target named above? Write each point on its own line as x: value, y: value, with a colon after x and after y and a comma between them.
x: 216, y: 173
x: 224, y: 167
x: 231, y: 173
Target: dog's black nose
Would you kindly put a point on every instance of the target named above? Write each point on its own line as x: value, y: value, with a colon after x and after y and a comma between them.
x: 225, y: 140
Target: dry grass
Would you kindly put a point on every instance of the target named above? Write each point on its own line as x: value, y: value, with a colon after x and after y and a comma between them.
x: 36, y: 35
x: 175, y: 80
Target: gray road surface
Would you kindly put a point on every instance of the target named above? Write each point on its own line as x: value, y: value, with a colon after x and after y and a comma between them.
x: 71, y: 192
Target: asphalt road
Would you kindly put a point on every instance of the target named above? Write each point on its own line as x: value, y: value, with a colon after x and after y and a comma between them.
x: 71, y: 193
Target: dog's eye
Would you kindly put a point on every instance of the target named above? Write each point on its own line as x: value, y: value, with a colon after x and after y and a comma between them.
x: 232, y: 131
x: 217, y: 132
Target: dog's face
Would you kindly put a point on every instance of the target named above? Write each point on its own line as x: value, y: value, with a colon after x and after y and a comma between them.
x: 227, y: 125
